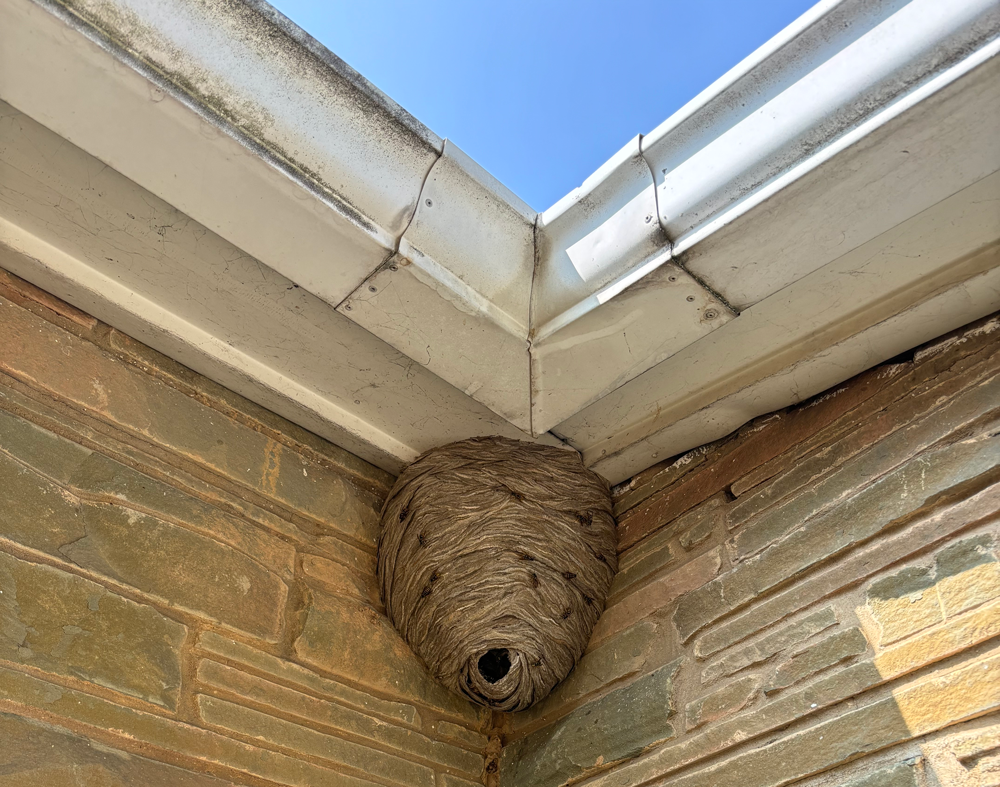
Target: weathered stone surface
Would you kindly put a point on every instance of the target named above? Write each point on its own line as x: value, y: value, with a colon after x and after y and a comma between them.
x: 656, y: 595
x: 170, y: 563
x: 67, y: 625
x: 785, y: 637
x: 965, y: 575
x: 290, y: 673
x: 300, y: 739
x: 901, y: 396
x: 181, y: 377
x: 131, y: 729
x: 652, y: 554
x: 652, y: 560
x: 891, y: 452
x: 967, y: 756
x: 969, y: 589
x: 861, y: 517
x: 914, y: 710
x: 340, y: 580
x: 901, y: 775
x: 92, y: 475
x: 447, y: 780
x: 904, y: 603
x: 824, y: 654
x: 722, y: 702
x: 474, y: 741
x: 345, y: 639
x: 698, y: 534
x: 615, y: 727
x: 856, y: 565
x: 36, y: 754
x: 635, y: 490
x: 738, y: 457
x: 632, y: 652
x: 242, y: 686
x: 75, y: 371
x: 27, y: 295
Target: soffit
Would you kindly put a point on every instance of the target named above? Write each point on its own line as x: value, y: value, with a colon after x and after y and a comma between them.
x: 371, y: 282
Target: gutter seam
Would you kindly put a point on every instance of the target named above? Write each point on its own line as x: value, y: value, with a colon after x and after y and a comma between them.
x: 399, y: 238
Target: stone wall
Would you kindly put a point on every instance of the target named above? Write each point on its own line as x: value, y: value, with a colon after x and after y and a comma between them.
x: 186, y: 584
x: 812, y: 601
x: 187, y: 593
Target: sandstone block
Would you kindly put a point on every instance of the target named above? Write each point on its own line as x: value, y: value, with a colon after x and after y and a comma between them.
x: 289, y: 702
x: 303, y: 740
x: 66, y: 625
x: 785, y: 637
x: 38, y: 754
x: 824, y: 654
x: 345, y: 639
x: 645, y: 643
x: 723, y: 702
x: 615, y: 727
x: 288, y: 672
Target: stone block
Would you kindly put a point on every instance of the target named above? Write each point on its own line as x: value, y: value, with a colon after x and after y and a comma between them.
x: 904, y: 603
x: 338, y: 579
x: 900, y: 775
x: 735, y: 458
x: 914, y: 710
x: 470, y: 739
x: 345, y: 638
x: 288, y: 672
x: 882, y: 456
x: 631, y: 493
x: 88, y: 474
x: 134, y: 731
x: 643, y: 645
x: 941, y: 523
x: 904, y: 401
x: 79, y: 373
x: 824, y: 654
x: 168, y: 562
x: 44, y: 756
x: 969, y: 589
x: 722, y: 702
x: 867, y: 514
x: 615, y: 727
x: 321, y: 712
x: 302, y: 740
x: 656, y: 595
x: 66, y: 625
x: 785, y: 637
x: 447, y: 780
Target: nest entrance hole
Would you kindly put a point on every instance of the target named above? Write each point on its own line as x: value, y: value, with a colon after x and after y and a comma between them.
x: 494, y: 664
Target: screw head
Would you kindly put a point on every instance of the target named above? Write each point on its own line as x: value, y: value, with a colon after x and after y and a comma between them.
x: 711, y: 314
x: 671, y: 278
x: 428, y: 203
x: 347, y: 307
x: 690, y: 299
x: 394, y: 267
x: 649, y: 219
x: 373, y: 289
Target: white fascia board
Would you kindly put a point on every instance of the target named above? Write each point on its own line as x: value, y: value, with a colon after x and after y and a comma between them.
x: 787, y: 344
x: 251, y: 128
x: 291, y: 156
x: 456, y: 296
x: 914, y: 159
x: 81, y: 230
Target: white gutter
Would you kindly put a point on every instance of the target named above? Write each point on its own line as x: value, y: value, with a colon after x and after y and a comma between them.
x: 253, y: 130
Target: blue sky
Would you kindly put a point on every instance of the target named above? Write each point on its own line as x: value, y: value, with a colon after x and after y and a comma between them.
x: 542, y: 93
